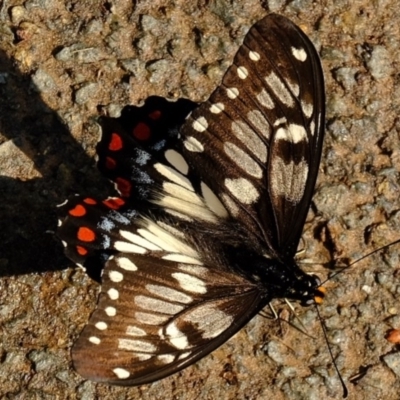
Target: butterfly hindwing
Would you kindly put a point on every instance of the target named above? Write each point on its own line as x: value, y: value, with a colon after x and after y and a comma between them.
x: 137, y: 138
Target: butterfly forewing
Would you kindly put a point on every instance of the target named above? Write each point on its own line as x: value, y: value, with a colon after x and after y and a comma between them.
x: 257, y: 141
x: 209, y: 218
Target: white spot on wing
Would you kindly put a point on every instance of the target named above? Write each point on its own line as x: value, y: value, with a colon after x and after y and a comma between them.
x: 121, y: 373
x: 181, y: 193
x: 190, y: 283
x: 182, y: 258
x: 210, y: 320
x: 280, y: 121
x: 115, y: 276
x: 250, y: 139
x: 292, y: 133
x: 193, y: 145
x: 186, y: 203
x: 279, y: 89
x: 111, y: 311
x: 288, y: 180
x: 232, y: 206
x: 136, y: 345
x: 200, y: 124
x: 179, y: 215
x: 126, y: 264
x: 265, y: 100
x: 169, y: 245
x: 193, y: 269
x: 113, y: 294
x: 169, y: 294
x: 294, y: 87
x: 173, y: 175
x: 312, y: 127
x: 101, y: 326
x: 169, y: 242
x: 125, y: 247
x: 135, y: 331
x: 299, y: 54
x: 177, y: 161
x: 151, y: 319
x: 213, y: 202
x: 94, y: 340
x: 243, y: 190
x: 232, y: 93
x: 176, y: 337
x: 254, y: 56
x: 242, y: 72
x: 243, y: 160
x: 307, y: 108
x: 259, y: 122
x: 217, y: 108
x: 138, y: 240
x: 160, y: 306
x: 166, y: 358
x: 170, y: 229
x: 143, y: 356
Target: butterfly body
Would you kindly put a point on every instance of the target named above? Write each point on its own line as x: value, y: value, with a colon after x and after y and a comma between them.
x: 209, y: 217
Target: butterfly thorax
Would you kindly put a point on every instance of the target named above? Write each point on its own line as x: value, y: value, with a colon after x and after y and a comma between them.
x: 273, y: 277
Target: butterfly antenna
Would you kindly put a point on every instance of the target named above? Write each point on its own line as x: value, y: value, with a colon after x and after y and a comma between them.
x: 344, y: 387
x: 363, y: 257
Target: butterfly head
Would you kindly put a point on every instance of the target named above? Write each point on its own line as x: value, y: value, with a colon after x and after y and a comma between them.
x: 308, y: 290
x: 304, y: 287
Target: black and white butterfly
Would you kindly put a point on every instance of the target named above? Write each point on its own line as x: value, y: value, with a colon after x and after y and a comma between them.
x: 205, y: 230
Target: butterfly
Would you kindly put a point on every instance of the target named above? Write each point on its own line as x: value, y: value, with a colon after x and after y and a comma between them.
x: 209, y: 215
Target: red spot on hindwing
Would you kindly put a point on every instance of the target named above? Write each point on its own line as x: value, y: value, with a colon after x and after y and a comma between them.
x: 86, y: 234
x: 115, y: 142
x: 110, y: 163
x: 77, y: 211
x: 90, y: 201
x: 156, y: 114
x: 124, y: 186
x: 141, y: 131
x: 81, y: 250
x: 114, y: 203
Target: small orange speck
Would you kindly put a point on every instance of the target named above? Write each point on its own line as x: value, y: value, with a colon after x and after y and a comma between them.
x: 393, y: 336
x: 81, y: 250
x: 319, y: 297
x: 114, y: 203
x: 90, y: 201
x: 156, y: 114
